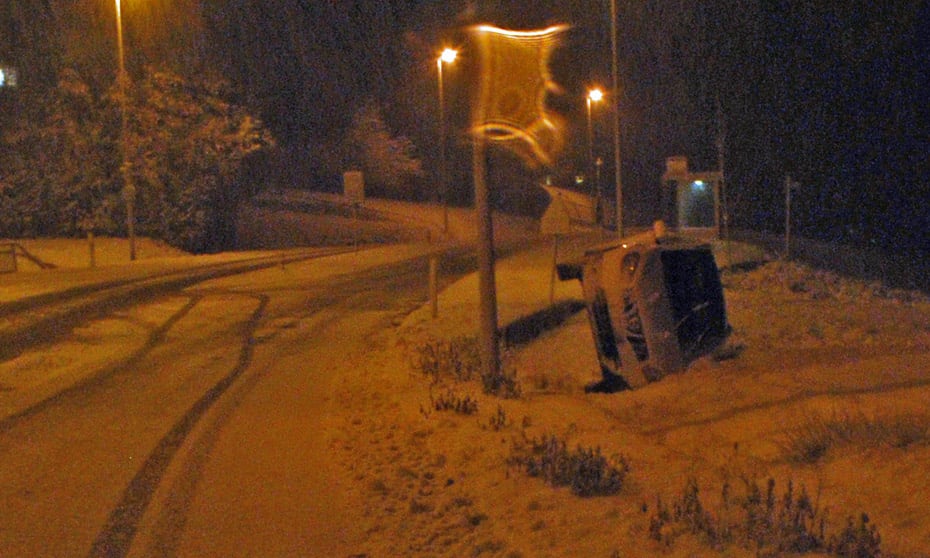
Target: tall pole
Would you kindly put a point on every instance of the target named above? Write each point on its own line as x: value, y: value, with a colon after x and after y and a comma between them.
x: 488, y: 344
x: 618, y: 184
x: 594, y: 96
x: 448, y: 55
x: 721, y: 139
x: 789, y: 186
x: 598, y: 208
x: 589, y: 163
x: 442, y: 152
x: 129, y: 190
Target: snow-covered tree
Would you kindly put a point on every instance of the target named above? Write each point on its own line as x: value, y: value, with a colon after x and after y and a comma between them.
x: 60, y: 162
x: 186, y: 145
x: 54, y: 163
x: 389, y: 163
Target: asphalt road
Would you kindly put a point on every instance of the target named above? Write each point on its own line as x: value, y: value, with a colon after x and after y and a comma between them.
x: 175, y: 426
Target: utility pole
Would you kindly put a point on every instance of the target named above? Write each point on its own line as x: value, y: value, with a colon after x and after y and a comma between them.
x: 790, y: 186
x: 721, y: 140
x: 448, y: 56
x: 488, y: 343
x: 129, y: 189
x: 615, y: 89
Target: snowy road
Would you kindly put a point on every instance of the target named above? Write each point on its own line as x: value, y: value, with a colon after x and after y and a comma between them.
x: 171, y: 417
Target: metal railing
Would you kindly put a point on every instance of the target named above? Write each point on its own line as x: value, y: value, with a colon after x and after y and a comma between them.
x: 8, y: 254
x: 7, y: 257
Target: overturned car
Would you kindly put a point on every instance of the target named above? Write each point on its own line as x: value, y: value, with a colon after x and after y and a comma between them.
x: 655, y: 304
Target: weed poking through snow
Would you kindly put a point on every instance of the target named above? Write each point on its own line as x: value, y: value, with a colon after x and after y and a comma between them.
x: 810, y: 441
x: 761, y: 521
x: 459, y: 359
x: 585, y: 471
x: 452, y: 401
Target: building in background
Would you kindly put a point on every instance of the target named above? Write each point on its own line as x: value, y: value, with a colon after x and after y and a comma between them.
x: 8, y: 76
x: 691, y: 200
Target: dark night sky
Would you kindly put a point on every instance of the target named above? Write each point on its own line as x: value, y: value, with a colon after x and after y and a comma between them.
x: 833, y: 93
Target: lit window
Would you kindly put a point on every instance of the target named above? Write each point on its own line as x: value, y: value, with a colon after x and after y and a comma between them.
x: 7, y: 76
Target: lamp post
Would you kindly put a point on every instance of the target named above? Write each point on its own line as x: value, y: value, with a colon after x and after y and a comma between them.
x: 615, y: 91
x: 598, y: 210
x: 594, y: 96
x: 448, y: 56
x: 129, y: 190
x: 790, y: 187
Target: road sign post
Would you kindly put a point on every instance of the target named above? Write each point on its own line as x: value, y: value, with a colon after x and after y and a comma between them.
x: 790, y: 186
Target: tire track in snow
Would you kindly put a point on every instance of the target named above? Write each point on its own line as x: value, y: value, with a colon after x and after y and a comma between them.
x: 116, y: 537
x: 155, y: 338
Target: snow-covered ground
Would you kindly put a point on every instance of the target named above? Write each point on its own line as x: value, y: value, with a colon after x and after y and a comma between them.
x: 813, y: 356
x: 812, y: 350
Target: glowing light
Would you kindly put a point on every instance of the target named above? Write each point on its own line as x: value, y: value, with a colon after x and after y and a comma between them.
x: 7, y: 76
x: 448, y: 55
x: 595, y: 95
x: 698, y: 186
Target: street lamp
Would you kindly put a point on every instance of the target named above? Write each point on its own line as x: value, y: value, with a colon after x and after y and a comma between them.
x: 129, y: 190
x: 594, y: 96
x: 615, y: 92
x: 448, y: 56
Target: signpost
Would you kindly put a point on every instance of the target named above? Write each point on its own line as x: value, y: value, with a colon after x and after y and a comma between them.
x: 790, y: 186
x: 568, y: 212
x: 511, y: 113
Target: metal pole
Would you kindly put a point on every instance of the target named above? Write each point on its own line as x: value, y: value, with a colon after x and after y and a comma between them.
x: 589, y: 164
x: 488, y: 333
x: 90, y: 249
x: 616, y: 119
x: 129, y: 191
x: 553, y: 269
x: 442, y: 152
x: 434, y: 285
x: 787, y: 217
x: 721, y: 139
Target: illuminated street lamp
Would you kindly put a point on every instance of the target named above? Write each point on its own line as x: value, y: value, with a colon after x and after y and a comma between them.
x: 448, y: 56
x: 594, y: 96
x: 129, y: 190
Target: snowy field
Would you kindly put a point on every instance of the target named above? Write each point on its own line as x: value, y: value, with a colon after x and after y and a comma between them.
x: 824, y: 391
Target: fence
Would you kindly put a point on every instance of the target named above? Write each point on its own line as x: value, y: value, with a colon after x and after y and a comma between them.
x: 904, y: 270
x: 7, y: 257
x: 8, y: 253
